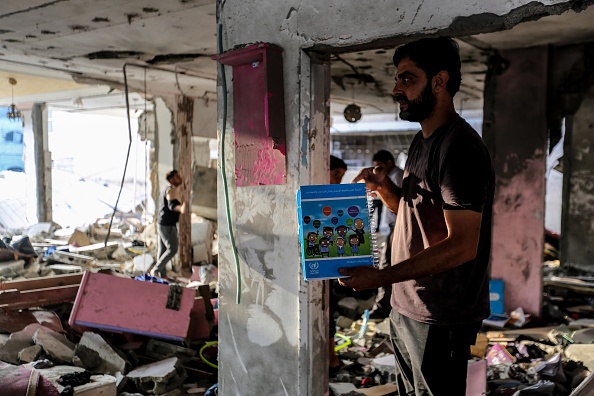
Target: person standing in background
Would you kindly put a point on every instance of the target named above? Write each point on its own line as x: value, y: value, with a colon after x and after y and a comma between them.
x: 170, y: 207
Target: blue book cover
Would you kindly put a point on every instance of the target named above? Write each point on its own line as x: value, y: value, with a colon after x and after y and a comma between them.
x: 334, y: 229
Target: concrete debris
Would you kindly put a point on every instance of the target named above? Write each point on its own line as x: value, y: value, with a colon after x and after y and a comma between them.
x: 514, y: 357
x: 72, y: 258
x: 97, y: 356
x: 158, y: 378
x: 9, y: 352
x: 79, y: 238
x: 61, y: 269
x: 100, y: 385
x: 11, y: 269
x: 30, y: 354
x: 55, y: 345
x: 342, y: 388
x: 45, y: 267
x: 162, y: 350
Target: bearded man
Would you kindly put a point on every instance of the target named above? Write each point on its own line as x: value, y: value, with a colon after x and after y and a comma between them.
x: 442, y: 236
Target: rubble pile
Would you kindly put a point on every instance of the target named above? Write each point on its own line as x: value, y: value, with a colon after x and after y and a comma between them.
x: 51, y: 279
x: 514, y: 354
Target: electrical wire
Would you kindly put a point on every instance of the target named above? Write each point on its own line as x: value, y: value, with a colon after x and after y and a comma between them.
x: 115, y: 208
x: 224, y: 172
x: 146, y: 162
x: 207, y: 345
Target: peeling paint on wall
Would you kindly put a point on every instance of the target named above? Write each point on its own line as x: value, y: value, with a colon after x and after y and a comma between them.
x: 262, y: 329
x: 518, y: 208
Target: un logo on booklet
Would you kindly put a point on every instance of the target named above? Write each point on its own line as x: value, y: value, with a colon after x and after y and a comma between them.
x: 315, y: 265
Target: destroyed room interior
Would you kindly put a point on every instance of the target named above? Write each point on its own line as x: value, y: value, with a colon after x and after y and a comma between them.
x: 155, y: 161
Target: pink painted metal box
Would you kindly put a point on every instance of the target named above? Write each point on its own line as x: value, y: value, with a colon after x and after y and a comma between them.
x: 113, y: 303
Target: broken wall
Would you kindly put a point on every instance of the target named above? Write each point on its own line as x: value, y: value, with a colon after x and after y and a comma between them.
x: 272, y: 324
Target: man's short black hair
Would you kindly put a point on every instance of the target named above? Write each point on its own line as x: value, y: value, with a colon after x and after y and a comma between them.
x: 383, y: 156
x: 433, y: 55
x: 171, y: 174
x: 337, y: 163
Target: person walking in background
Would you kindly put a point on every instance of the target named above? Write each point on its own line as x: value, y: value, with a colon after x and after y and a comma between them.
x: 381, y: 308
x: 170, y: 207
x: 442, y: 238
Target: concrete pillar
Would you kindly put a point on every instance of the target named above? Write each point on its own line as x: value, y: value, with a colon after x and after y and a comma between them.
x: 43, y: 162
x: 578, y: 222
x: 185, y: 113
x: 204, y: 172
x: 273, y: 325
x: 515, y: 131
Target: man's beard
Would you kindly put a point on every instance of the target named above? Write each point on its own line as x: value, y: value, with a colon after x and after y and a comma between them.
x: 419, y: 108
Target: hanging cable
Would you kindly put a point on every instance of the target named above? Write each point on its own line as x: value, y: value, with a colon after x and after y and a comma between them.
x: 115, y: 208
x: 224, y: 172
x: 146, y: 162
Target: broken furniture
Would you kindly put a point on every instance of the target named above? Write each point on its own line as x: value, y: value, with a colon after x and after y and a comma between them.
x: 118, y: 304
x: 38, y: 292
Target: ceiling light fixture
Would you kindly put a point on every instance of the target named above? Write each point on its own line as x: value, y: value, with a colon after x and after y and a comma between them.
x: 13, y: 114
x: 352, y: 113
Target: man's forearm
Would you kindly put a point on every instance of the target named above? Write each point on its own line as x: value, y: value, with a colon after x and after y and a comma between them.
x: 442, y: 256
x: 390, y: 194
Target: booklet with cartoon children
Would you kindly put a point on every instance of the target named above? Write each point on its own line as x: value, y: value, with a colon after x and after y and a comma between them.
x: 334, y: 229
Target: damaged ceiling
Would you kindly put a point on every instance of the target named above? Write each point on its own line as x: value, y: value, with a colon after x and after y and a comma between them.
x: 166, y: 48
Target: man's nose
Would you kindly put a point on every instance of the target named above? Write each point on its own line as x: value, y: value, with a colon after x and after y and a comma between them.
x: 396, y: 90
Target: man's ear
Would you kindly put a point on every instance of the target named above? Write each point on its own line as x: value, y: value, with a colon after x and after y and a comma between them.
x: 440, y: 81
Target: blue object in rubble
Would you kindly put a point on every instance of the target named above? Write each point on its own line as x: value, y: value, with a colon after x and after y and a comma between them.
x: 49, y: 251
x: 213, y: 390
x: 148, y: 278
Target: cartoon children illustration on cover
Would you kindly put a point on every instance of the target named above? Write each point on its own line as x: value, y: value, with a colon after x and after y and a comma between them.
x: 354, y: 243
x: 325, y: 246
x: 328, y: 231
x: 312, y: 247
x: 339, y: 246
x: 360, y: 230
x: 341, y: 230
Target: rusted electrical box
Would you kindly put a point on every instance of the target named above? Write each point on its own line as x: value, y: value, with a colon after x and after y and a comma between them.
x: 258, y: 114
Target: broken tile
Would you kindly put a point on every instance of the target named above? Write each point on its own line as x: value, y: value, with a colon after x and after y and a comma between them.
x: 97, y: 356
x: 159, y: 377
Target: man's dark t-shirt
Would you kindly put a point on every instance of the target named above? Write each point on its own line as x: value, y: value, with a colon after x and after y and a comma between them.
x: 450, y: 170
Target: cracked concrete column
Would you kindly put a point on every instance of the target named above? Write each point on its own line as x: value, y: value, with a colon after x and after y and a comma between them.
x: 515, y: 130
x: 578, y: 222
x: 43, y: 162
